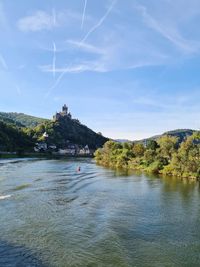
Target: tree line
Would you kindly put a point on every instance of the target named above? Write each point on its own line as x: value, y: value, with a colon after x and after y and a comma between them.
x: 167, y: 156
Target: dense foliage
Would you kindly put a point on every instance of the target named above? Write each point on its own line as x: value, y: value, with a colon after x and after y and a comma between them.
x: 20, y: 131
x: 13, y: 138
x: 165, y: 156
x: 66, y: 129
x: 21, y: 119
x: 10, y: 121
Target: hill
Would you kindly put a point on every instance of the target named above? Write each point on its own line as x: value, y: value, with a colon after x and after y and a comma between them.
x: 10, y: 121
x: 182, y: 134
x: 13, y: 138
x: 21, y: 119
x: 67, y: 130
x: 122, y: 140
x: 19, y: 131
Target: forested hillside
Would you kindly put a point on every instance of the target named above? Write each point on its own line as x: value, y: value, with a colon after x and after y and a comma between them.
x: 21, y: 131
x: 13, y: 138
x: 181, y: 134
x: 21, y: 119
x: 67, y: 129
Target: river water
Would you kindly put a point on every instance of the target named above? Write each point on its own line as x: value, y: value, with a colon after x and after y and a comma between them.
x: 53, y: 215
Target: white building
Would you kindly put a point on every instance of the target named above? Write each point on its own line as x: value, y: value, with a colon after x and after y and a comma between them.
x: 67, y: 151
x: 45, y: 134
x: 40, y: 147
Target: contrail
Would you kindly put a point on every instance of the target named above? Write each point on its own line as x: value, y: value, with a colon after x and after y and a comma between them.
x: 3, y: 62
x: 19, y: 92
x: 94, y: 28
x: 55, y: 84
x: 54, y: 59
x: 83, y: 17
x: 54, y: 16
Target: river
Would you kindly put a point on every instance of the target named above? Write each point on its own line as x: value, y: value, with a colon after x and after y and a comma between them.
x: 52, y: 215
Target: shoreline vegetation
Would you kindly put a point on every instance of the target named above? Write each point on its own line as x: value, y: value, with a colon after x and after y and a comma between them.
x: 12, y: 155
x: 166, y: 156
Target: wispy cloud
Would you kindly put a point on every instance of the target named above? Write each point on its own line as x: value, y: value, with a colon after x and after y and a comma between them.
x: 171, y: 34
x: 86, y: 47
x: 73, y: 69
x: 37, y: 22
x: 84, y: 10
x: 85, y: 66
x: 3, y: 19
x: 145, y: 39
x: 19, y: 91
x: 3, y: 62
x: 43, y: 20
x: 54, y: 16
x: 21, y: 67
x: 76, y: 68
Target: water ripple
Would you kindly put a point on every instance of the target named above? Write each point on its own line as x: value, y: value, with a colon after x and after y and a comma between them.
x: 58, y: 217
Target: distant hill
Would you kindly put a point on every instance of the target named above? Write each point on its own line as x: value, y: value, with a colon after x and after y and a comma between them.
x: 21, y: 119
x: 122, y: 140
x: 180, y: 133
x: 10, y: 121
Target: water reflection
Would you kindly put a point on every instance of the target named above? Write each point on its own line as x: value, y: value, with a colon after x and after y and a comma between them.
x: 15, y: 255
x: 96, y: 217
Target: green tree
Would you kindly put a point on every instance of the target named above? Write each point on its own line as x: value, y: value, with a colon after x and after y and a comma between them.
x: 138, y: 149
x: 167, y: 146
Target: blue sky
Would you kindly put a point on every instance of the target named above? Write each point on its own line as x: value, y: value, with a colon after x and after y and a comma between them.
x: 127, y: 68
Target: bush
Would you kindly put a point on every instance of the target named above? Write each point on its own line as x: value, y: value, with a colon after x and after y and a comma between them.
x: 155, y: 167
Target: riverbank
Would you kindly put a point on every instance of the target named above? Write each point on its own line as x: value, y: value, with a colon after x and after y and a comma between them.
x: 10, y: 155
x: 167, y: 156
x: 140, y: 170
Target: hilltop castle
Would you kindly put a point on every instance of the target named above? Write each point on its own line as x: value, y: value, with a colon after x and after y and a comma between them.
x: 63, y: 113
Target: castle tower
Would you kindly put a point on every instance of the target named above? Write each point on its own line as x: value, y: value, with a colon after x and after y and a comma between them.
x: 65, y: 109
x: 56, y: 116
x: 69, y: 115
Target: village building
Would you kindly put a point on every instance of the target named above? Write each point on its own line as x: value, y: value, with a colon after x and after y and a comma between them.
x: 45, y: 135
x: 53, y: 147
x: 40, y: 147
x: 84, y: 151
x: 67, y: 151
